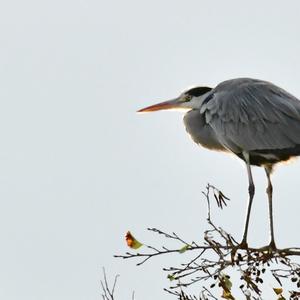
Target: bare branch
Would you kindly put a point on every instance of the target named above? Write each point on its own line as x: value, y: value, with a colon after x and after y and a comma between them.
x: 108, y: 293
x: 218, y: 253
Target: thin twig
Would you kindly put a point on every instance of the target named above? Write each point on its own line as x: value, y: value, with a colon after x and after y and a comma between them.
x: 219, y: 252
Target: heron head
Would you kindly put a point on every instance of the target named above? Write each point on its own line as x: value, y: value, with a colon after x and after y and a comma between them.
x: 189, y: 99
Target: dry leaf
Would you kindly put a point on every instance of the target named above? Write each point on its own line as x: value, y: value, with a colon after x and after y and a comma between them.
x: 132, y: 242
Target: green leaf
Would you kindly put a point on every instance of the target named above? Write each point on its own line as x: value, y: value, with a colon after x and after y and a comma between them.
x: 171, y: 277
x: 227, y: 282
x: 184, y: 248
x: 226, y: 285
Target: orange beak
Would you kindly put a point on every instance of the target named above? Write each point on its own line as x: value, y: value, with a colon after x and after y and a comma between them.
x: 171, y: 104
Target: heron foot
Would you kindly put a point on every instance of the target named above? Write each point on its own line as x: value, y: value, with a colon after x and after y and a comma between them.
x: 243, y: 245
x: 269, y: 249
x: 272, y: 246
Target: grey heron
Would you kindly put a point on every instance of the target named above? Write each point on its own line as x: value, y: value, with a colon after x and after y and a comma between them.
x: 253, y: 119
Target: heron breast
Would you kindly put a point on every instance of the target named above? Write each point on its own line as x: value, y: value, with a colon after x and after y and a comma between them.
x: 200, y: 131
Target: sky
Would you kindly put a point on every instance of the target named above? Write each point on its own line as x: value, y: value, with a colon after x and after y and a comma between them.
x: 79, y: 167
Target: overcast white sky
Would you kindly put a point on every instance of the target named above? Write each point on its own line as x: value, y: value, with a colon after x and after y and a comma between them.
x: 78, y: 166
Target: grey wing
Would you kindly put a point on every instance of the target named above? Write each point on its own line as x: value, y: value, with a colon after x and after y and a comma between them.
x: 248, y: 114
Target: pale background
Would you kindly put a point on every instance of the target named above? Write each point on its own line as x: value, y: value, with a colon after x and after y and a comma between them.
x: 78, y: 166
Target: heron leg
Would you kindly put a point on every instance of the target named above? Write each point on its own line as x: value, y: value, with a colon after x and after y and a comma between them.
x: 269, y: 191
x: 251, y: 190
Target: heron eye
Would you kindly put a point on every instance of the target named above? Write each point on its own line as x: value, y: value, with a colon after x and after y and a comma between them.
x: 187, y: 98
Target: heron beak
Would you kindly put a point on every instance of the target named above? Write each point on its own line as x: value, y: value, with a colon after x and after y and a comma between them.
x: 171, y: 104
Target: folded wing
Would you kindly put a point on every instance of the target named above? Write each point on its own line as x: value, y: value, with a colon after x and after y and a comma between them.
x: 248, y: 115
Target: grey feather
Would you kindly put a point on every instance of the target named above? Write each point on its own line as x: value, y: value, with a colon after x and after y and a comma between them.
x: 248, y: 114
x: 200, y: 131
